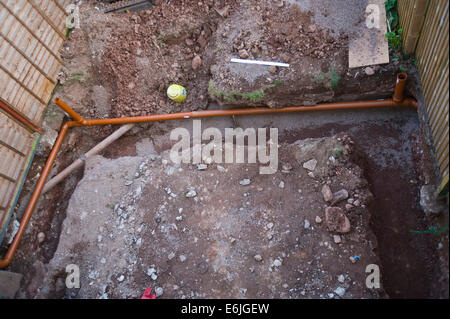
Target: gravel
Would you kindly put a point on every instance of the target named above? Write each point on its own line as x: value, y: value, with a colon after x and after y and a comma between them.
x: 277, y: 262
x: 310, y: 165
x: 244, y: 182
x: 171, y: 256
x: 327, y: 193
x: 307, y: 224
x: 191, y: 193
x: 339, y: 196
x: 339, y: 291
x: 258, y: 257
x: 337, y: 239
x: 40, y: 237
x: 159, y: 291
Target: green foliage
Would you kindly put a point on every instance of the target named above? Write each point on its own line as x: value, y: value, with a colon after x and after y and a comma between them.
x: 391, y: 13
x: 395, y: 39
x: 338, y: 151
x: 214, y: 92
x: 402, y: 68
x: 79, y: 76
x: 394, y: 34
x: 331, y: 76
x: 335, y: 78
x: 255, y: 96
x: 275, y: 84
x: 68, y: 31
x: 438, y: 229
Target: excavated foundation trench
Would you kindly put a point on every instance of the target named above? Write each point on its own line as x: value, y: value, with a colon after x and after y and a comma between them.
x: 387, y: 141
x: 388, y: 147
x: 389, y: 144
x: 390, y: 151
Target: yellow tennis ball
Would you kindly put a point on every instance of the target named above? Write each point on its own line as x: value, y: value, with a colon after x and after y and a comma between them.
x: 176, y: 93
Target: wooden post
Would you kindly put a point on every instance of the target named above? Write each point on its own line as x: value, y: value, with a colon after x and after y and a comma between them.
x: 415, y: 24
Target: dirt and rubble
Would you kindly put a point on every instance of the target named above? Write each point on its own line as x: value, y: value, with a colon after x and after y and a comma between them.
x: 125, y: 62
x: 121, y: 65
x: 155, y: 224
x: 393, y: 212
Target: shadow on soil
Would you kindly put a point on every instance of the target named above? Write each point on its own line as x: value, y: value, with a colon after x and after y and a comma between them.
x: 388, y: 156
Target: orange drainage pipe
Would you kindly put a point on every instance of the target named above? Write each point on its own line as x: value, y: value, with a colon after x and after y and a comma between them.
x: 399, y: 87
x: 80, y: 121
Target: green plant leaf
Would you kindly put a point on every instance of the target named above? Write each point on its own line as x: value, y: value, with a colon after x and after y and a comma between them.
x: 390, y: 4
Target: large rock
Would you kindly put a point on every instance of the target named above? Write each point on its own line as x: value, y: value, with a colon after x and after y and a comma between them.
x: 339, y: 196
x: 428, y: 201
x: 336, y: 220
x: 310, y: 165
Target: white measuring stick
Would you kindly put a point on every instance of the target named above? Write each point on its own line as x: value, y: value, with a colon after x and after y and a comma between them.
x: 260, y: 62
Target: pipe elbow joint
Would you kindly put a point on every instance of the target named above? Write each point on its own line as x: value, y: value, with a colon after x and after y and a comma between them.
x: 4, y: 263
x: 413, y: 103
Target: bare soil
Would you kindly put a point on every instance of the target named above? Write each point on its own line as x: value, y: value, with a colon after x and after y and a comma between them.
x: 121, y: 65
x: 127, y: 61
x: 393, y: 163
x: 117, y: 236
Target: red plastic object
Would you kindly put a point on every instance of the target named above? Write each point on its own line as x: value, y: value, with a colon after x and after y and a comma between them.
x: 148, y: 294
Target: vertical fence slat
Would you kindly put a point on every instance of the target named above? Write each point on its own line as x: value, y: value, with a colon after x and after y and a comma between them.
x: 413, y: 17
x: 432, y: 54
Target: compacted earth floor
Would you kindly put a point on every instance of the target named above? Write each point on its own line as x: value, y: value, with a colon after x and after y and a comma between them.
x: 124, y: 218
x: 219, y: 231
x: 136, y: 220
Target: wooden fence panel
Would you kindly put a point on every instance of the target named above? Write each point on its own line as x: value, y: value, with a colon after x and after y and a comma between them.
x: 32, y: 33
x: 431, y: 18
x: 17, y: 144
